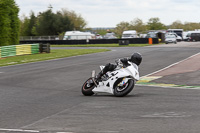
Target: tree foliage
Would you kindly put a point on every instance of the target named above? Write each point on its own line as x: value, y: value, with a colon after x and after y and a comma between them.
x: 27, y: 27
x: 187, y: 26
x: 50, y: 23
x: 176, y: 25
x: 138, y: 25
x: 77, y: 20
x: 121, y: 27
x: 155, y: 24
x: 9, y: 23
x: 46, y: 22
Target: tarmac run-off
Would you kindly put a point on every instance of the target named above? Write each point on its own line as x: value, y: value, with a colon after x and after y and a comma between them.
x: 186, y: 67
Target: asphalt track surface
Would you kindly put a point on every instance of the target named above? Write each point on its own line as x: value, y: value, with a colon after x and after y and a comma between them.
x: 46, y: 96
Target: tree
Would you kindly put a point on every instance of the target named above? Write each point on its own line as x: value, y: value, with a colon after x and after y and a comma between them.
x: 9, y: 23
x: 76, y: 19
x: 27, y: 27
x: 45, y: 23
x: 31, y: 26
x: 24, y: 22
x: 4, y: 23
x: 121, y: 27
x: 63, y: 23
x: 49, y: 23
x: 176, y: 25
x: 191, y: 26
x: 138, y: 25
x: 100, y: 31
x: 155, y: 24
x: 15, y: 24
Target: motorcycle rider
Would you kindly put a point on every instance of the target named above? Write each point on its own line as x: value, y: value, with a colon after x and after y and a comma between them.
x: 135, y: 58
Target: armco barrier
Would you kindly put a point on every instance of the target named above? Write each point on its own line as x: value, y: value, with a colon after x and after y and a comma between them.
x: 92, y: 41
x: 13, y: 50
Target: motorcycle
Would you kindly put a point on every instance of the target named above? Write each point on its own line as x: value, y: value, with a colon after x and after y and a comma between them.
x: 119, y: 82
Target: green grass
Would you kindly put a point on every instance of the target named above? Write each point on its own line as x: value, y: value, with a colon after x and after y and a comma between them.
x: 102, y: 45
x: 58, y: 53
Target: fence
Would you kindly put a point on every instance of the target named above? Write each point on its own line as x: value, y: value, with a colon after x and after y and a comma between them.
x: 39, y: 38
x: 93, y: 41
x: 14, y: 50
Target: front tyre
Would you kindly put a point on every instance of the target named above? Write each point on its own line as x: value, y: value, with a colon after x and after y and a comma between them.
x: 87, y: 87
x: 120, y: 91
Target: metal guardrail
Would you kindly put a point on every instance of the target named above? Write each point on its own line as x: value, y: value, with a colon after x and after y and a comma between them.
x: 23, y: 38
x: 71, y: 37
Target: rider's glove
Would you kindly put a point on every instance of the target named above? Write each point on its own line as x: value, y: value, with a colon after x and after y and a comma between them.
x: 125, y: 62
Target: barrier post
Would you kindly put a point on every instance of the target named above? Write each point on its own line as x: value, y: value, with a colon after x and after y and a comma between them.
x: 150, y: 41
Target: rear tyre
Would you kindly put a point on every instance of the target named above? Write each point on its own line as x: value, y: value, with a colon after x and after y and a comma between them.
x: 87, y: 87
x: 121, y: 91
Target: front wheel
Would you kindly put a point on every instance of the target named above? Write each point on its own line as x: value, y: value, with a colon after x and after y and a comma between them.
x: 124, y: 90
x: 87, y: 87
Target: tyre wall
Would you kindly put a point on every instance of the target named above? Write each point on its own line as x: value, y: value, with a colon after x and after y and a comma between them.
x: 15, y: 50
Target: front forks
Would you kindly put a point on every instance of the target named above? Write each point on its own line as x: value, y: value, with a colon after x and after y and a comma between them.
x: 93, y: 77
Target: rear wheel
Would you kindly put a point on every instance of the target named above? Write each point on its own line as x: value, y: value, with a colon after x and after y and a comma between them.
x: 123, y: 90
x: 87, y: 87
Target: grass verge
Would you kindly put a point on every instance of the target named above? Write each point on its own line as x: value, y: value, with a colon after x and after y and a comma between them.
x: 55, y: 53
x: 102, y: 45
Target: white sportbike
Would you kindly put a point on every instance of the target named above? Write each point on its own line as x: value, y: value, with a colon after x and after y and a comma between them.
x: 119, y: 82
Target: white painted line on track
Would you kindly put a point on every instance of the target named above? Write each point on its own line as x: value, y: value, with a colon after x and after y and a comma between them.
x: 19, y: 130
x: 65, y: 132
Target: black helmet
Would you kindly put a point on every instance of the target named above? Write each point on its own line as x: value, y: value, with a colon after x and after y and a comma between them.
x: 136, y: 58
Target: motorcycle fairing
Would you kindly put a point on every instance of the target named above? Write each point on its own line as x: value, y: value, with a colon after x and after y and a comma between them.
x: 107, y: 86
